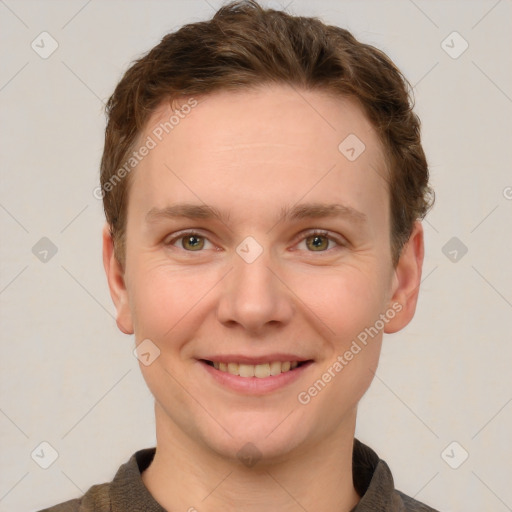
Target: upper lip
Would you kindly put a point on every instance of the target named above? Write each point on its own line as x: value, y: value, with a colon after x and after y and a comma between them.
x: 269, y: 358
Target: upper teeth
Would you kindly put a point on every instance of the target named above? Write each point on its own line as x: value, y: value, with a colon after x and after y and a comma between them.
x: 256, y: 370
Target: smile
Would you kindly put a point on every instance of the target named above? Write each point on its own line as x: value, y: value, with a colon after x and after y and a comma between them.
x: 260, y: 371
x: 255, y: 379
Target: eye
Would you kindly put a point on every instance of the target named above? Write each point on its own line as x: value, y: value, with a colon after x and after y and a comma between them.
x: 191, y: 241
x: 318, y: 241
x: 314, y: 240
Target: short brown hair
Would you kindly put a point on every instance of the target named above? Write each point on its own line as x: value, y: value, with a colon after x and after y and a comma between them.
x: 243, y: 46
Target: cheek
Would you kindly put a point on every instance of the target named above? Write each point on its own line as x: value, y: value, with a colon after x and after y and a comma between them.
x: 348, y: 304
x: 164, y: 299
x: 345, y: 301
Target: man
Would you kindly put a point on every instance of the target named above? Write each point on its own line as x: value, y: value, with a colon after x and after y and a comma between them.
x: 263, y: 183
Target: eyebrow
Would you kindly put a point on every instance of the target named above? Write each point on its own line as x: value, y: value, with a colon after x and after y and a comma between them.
x: 294, y: 213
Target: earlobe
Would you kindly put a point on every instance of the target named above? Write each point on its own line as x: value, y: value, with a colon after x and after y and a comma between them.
x: 406, y: 281
x: 116, y: 283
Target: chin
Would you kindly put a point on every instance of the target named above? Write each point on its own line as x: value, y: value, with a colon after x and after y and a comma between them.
x: 261, y: 437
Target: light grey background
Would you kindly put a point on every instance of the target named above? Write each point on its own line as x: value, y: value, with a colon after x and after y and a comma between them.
x: 68, y: 376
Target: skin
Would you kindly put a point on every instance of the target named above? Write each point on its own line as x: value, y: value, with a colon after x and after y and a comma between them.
x: 249, y: 154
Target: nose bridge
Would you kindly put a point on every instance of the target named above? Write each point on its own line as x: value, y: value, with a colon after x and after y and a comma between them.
x: 252, y: 295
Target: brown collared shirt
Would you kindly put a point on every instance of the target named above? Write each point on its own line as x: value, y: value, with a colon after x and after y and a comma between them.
x: 127, y: 493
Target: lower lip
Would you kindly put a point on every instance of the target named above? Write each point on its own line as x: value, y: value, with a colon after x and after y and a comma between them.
x: 256, y: 385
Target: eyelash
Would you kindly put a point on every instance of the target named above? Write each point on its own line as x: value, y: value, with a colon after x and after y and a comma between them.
x: 304, y: 236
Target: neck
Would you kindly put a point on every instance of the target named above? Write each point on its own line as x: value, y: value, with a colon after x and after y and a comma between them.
x: 185, y: 476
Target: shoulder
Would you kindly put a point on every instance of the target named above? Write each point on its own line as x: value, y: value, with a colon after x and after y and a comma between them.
x: 125, y: 491
x: 412, y: 505
x: 96, y: 499
x: 67, y: 506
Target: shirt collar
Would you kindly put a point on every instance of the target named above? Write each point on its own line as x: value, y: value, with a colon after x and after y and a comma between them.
x: 372, y: 479
x: 128, y: 491
x: 371, y: 475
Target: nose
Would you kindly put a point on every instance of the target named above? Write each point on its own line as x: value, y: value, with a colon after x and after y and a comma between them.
x: 254, y: 297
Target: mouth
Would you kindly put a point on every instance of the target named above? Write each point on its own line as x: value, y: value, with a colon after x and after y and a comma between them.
x: 260, y: 371
x: 257, y: 379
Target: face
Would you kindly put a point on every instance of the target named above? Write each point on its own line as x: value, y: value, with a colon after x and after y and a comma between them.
x: 253, y: 242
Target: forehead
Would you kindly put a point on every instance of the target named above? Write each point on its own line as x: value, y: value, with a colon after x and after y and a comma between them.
x: 270, y: 147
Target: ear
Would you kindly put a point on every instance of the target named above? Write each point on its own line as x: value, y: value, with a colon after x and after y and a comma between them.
x: 116, y: 283
x: 406, y: 280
